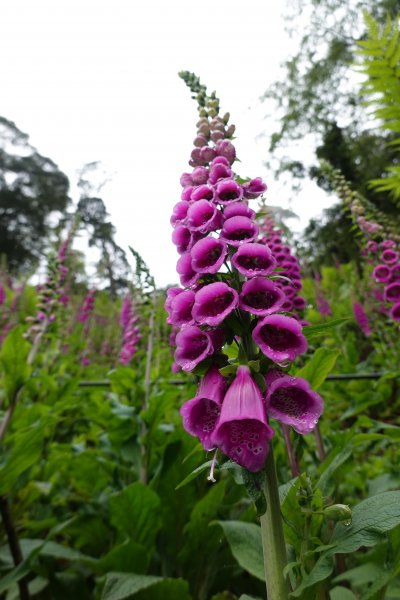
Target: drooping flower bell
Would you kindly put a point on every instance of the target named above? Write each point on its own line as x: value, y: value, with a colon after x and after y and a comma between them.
x: 242, y: 431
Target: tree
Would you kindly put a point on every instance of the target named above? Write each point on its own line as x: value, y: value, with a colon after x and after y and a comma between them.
x: 32, y: 189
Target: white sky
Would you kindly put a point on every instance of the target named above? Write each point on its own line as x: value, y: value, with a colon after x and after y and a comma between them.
x: 97, y: 81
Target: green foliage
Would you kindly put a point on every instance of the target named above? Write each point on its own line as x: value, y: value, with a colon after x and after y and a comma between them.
x: 380, y: 62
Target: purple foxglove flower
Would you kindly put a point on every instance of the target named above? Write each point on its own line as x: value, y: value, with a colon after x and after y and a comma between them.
x: 287, y: 305
x: 181, y: 309
x: 221, y: 160
x: 202, y: 192
x: 387, y: 244
x: 226, y: 149
x: 207, y: 154
x: 254, y: 188
x: 201, y: 413
x: 186, y: 179
x: 291, y: 401
x: 196, y: 159
x: 181, y: 237
x: 254, y: 259
x: 390, y: 256
x: 395, y: 312
x: 208, y: 254
x: 200, y: 176
x: 171, y: 293
x: 361, y: 318
x: 280, y: 338
x: 218, y: 172
x: 238, y: 209
x: 395, y: 272
x: 372, y: 246
x: 204, y: 216
x: 187, y: 276
x: 217, y: 135
x: 261, y: 297
x: 299, y: 303
x: 228, y: 191
x: 213, y: 303
x: 2, y: 295
x: 237, y: 230
x: 179, y: 213
x: 392, y: 292
x: 242, y: 431
x: 187, y: 193
x: 192, y: 346
x: 381, y: 273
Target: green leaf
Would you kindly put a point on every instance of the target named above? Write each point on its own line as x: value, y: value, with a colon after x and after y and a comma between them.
x: 245, y: 543
x: 13, y: 359
x: 371, y: 519
x: 121, y: 586
x: 319, y: 366
x: 128, y: 557
x: 311, y: 331
x: 247, y: 597
x: 135, y: 512
x: 205, y: 466
x: 341, y: 593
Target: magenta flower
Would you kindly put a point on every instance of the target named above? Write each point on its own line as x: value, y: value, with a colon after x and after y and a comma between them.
x: 390, y: 256
x: 226, y: 149
x: 242, y: 431
x: 362, y: 319
x: 208, y: 255
x: 187, y: 275
x: 261, y: 296
x: 213, y: 303
x: 238, y: 209
x: 179, y: 213
x: 182, y: 238
x: 219, y: 171
x: 280, y: 338
x: 395, y: 272
x: 254, y: 259
x: 228, y: 191
x: 204, y: 216
x: 181, y: 309
x: 381, y: 273
x: 2, y: 295
x: 238, y: 230
x: 291, y: 401
x: 395, y: 312
x: 202, y: 192
x: 192, y: 346
x: 201, y: 413
x: 392, y: 292
x: 254, y: 188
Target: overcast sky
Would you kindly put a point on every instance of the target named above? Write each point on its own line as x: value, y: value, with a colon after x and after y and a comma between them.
x: 97, y: 81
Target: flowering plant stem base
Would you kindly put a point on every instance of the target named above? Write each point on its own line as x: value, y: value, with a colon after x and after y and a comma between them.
x: 273, y: 541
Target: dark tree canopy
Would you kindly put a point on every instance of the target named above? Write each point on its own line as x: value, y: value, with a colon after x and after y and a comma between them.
x: 31, y: 189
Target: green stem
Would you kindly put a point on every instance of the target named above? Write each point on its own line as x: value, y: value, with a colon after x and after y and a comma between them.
x: 273, y: 542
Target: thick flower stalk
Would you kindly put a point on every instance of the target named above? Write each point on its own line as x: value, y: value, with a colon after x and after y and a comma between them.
x: 239, y: 287
x: 130, y: 331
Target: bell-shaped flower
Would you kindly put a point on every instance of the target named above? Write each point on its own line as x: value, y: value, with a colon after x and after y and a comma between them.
x: 208, y: 254
x: 202, y: 192
x: 207, y: 154
x: 219, y: 171
x: 213, y: 303
x: 254, y: 259
x: 381, y: 273
x: 237, y: 230
x: 182, y: 238
x: 395, y: 272
x: 200, y: 175
x: 280, y: 338
x: 254, y: 188
x: 228, y: 191
x: 203, y: 216
x: 392, y: 292
x: 242, y: 431
x: 395, y: 312
x: 260, y: 296
x: 200, y: 414
x: 192, y: 346
x: 226, y: 149
x: 238, y: 209
x: 390, y: 256
x: 187, y: 275
x: 291, y: 401
x: 179, y: 213
x: 181, y: 309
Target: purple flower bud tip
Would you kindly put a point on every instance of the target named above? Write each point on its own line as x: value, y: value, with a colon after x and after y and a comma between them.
x: 242, y: 432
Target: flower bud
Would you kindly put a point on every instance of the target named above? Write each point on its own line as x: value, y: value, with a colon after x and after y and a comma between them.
x: 338, y: 512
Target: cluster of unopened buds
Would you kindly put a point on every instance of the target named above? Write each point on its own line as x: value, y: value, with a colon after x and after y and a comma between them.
x: 231, y: 296
x: 130, y: 331
x: 387, y: 272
